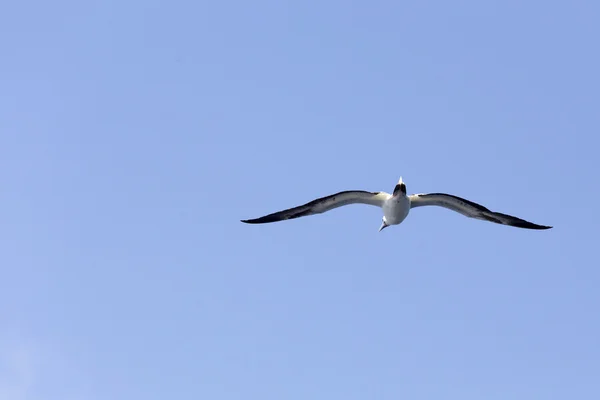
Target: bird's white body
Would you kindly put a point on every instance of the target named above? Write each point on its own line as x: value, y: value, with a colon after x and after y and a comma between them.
x: 396, y: 207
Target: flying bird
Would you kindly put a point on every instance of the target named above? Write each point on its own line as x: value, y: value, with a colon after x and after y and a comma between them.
x: 396, y: 207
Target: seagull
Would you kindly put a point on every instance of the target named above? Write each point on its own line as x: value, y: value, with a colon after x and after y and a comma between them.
x: 396, y: 207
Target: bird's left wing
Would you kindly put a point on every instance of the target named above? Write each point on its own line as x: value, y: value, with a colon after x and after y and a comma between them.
x: 324, y: 204
x: 470, y: 209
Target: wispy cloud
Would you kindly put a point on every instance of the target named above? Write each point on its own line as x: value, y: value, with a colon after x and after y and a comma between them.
x: 38, y: 370
x: 16, y: 369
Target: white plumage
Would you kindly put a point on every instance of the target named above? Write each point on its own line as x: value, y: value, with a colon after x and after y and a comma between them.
x: 396, y: 207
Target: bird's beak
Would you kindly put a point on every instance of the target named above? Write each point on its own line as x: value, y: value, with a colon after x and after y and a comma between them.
x: 400, y: 181
x: 383, y: 225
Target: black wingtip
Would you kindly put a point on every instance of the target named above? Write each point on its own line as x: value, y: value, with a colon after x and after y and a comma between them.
x: 511, y: 220
x: 262, y: 220
x: 530, y: 225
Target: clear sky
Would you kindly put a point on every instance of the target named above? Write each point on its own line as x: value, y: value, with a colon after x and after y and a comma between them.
x: 134, y: 135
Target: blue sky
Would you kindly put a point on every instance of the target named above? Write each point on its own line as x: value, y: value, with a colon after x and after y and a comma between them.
x: 135, y: 135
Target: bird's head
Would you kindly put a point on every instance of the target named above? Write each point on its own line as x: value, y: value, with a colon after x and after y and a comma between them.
x: 384, y: 224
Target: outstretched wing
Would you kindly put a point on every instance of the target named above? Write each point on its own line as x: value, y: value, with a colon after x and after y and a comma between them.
x: 324, y: 204
x: 470, y: 209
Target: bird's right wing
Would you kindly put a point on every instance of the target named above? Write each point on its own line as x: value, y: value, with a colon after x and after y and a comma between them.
x: 470, y: 209
x: 324, y: 204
